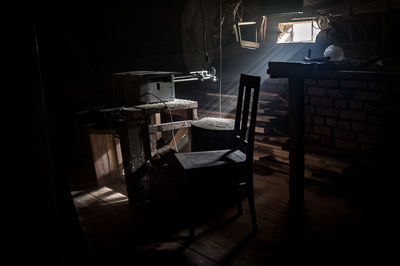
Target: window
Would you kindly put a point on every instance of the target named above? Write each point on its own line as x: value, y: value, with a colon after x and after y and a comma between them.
x: 247, y: 34
x: 250, y: 34
x: 294, y: 32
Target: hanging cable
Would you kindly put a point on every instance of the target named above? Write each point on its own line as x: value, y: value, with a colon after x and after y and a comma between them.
x: 170, y: 115
x: 220, y: 58
x: 204, y: 33
x: 37, y: 55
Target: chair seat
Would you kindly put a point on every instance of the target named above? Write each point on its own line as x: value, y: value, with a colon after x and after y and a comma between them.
x: 195, y: 160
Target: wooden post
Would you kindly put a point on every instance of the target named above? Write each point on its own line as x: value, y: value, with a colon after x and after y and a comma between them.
x: 155, y: 119
x: 135, y: 150
x: 194, y: 117
x: 194, y: 114
x: 296, y: 143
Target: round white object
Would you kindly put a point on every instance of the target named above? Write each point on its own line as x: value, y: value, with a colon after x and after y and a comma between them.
x: 334, y: 52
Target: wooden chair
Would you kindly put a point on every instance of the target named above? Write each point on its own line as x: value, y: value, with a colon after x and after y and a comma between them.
x: 235, y: 163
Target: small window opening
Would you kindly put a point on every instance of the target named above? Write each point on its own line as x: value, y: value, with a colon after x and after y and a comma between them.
x: 298, y: 32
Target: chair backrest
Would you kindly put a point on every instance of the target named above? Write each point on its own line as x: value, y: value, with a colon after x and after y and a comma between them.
x: 244, y: 139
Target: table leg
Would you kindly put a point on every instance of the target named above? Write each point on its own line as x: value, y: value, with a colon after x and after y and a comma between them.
x: 154, y: 137
x: 134, y: 140
x: 296, y: 134
x: 194, y: 117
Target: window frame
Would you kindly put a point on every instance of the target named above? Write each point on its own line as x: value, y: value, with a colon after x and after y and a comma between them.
x: 313, y: 25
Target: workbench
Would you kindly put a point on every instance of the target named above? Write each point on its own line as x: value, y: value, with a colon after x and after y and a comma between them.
x: 297, y: 72
x: 137, y: 128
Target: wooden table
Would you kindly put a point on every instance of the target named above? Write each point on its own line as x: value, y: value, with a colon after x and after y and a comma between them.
x: 137, y: 128
x: 152, y: 112
x: 297, y: 72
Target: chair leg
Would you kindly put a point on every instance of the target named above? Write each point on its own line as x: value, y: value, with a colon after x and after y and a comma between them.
x: 239, y: 202
x: 189, y: 207
x: 252, y: 207
x: 190, y: 219
x: 239, y: 207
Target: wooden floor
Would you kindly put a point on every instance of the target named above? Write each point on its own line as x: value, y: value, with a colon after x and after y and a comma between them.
x: 333, y: 229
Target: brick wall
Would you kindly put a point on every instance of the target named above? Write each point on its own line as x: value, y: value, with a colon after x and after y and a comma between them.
x: 347, y: 116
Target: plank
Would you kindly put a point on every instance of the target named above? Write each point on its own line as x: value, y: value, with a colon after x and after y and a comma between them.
x: 260, y: 130
x: 324, y: 162
x: 274, y: 165
x: 272, y: 149
x: 106, y: 156
x: 153, y: 108
x: 170, y: 126
x: 220, y: 244
x: 194, y: 258
x: 178, y: 137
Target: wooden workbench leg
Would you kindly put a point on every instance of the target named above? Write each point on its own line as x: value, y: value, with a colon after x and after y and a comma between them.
x: 135, y: 152
x: 156, y: 120
x: 296, y: 134
x: 154, y: 137
x: 192, y: 114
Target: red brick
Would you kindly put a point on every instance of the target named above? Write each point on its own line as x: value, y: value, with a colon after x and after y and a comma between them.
x: 341, y: 103
x: 326, y: 140
x: 332, y: 122
x: 321, y: 130
x: 344, y: 124
x: 369, y: 107
x: 379, y: 86
x: 347, y: 93
x: 345, y: 144
x: 374, y: 108
x: 316, y: 91
x: 308, y: 118
x: 355, y: 105
x: 357, y: 126
x: 328, y: 83
x: 367, y: 96
x: 353, y: 84
x: 327, y: 102
x: 326, y: 111
x: 353, y: 115
x: 344, y: 134
x: 319, y: 120
x: 373, y: 119
x: 333, y: 93
x: 313, y: 137
x: 309, y: 109
x: 316, y: 100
